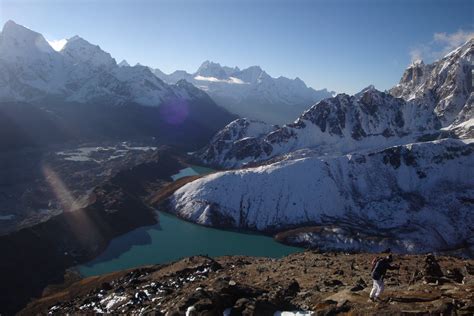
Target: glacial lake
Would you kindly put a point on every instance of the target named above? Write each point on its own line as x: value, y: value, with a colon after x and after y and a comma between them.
x: 172, y: 239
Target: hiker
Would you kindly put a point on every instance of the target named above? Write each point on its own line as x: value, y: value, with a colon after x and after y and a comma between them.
x: 379, y: 269
x: 431, y: 267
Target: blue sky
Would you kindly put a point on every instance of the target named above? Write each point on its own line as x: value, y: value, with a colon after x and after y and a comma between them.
x: 340, y: 45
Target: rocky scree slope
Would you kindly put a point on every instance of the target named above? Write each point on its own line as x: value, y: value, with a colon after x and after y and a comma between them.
x: 325, y: 284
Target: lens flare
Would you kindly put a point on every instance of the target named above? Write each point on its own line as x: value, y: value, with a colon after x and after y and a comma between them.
x: 62, y: 193
x: 79, y: 223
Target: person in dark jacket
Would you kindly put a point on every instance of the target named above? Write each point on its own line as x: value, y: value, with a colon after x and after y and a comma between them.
x: 378, y: 273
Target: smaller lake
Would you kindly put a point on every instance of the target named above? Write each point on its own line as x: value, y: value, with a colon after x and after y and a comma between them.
x: 172, y: 239
x: 191, y: 171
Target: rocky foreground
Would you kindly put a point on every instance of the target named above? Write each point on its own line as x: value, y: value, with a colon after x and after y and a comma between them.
x: 323, y: 283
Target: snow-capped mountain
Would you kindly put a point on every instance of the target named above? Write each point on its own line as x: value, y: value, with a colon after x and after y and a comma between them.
x: 421, y: 104
x: 29, y: 67
x: 81, y: 83
x: 80, y: 72
x: 362, y: 172
x: 412, y: 198
x: 124, y: 63
x: 446, y: 83
x: 335, y: 125
x: 79, y: 51
x: 251, y: 92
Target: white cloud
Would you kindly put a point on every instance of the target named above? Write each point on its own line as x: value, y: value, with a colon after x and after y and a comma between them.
x: 453, y: 40
x: 416, y: 54
x: 57, y: 45
x: 440, y: 45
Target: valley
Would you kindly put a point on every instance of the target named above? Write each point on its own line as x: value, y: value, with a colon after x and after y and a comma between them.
x: 127, y: 190
x: 114, y: 205
x: 100, y: 201
x: 38, y: 183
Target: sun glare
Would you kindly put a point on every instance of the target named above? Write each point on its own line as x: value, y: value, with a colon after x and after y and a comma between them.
x: 57, y: 45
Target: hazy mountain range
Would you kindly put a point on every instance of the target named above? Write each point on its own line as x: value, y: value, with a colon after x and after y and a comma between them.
x: 80, y: 93
x: 251, y: 92
x: 82, y: 82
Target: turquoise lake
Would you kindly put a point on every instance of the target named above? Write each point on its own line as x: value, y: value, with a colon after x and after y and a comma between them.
x: 173, y: 238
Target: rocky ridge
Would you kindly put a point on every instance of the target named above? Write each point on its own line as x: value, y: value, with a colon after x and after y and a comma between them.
x: 343, y: 124
x: 319, y: 284
x: 430, y: 101
x: 447, y: 83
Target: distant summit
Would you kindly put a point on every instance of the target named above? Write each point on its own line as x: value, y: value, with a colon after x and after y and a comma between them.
x: 80, y: 50
x: 251, y: 92
x: 83, y: 81
x: 81, y: 72
x: 124, y: 63
x: 19, y: 41
x: 211, y: 69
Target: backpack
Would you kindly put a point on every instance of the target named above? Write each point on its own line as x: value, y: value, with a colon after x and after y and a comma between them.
x: 374, y: 263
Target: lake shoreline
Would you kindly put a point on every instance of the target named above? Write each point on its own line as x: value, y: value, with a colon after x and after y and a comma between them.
x: 172, y: 232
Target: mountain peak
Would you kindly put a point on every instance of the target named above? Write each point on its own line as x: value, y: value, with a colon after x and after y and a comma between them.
x: 11, y: 24
x: 465, y: 48
x: 251, y: 74
x: 212, y: 69
x: 208, y: 64
x: 81, y: 50
x: 254, y: 68
x: 124, y: 63
x: 77, y: 38
x: 369, y: 88
x: 417, y: 62
x: 17, y: 40
x: 77, y: 41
